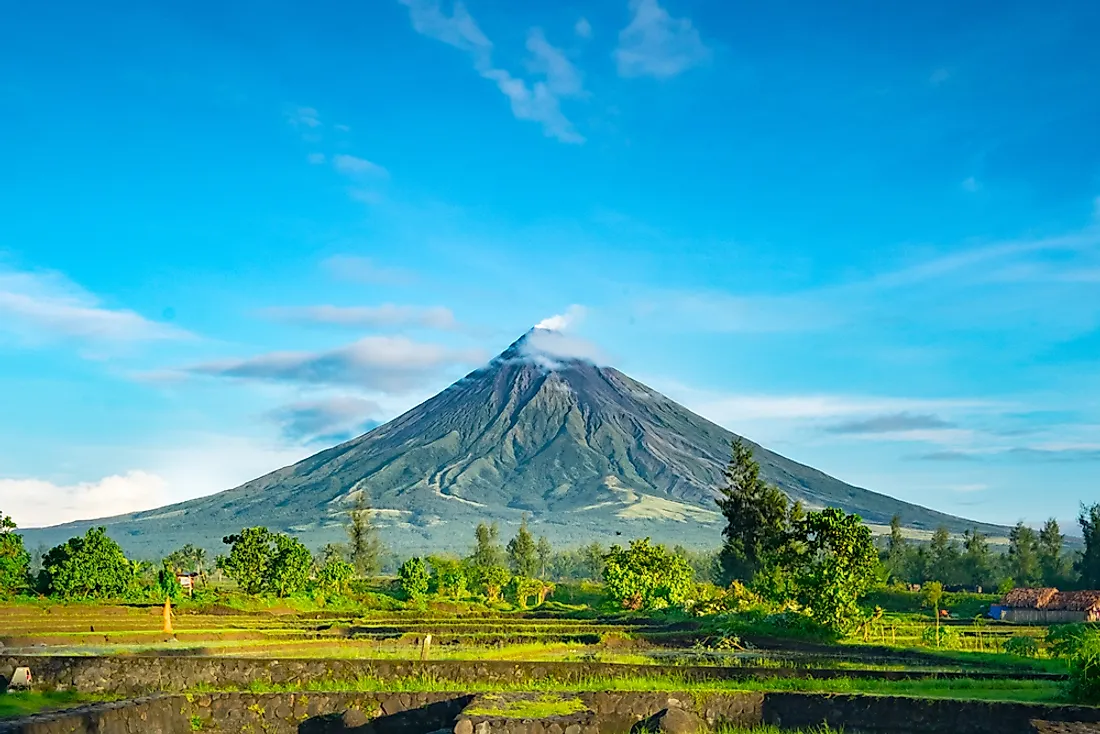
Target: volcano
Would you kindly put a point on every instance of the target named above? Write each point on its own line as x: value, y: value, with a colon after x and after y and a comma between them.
x: 584, y: 450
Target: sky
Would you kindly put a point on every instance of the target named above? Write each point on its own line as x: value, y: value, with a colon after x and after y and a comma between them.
x: 863, y: 234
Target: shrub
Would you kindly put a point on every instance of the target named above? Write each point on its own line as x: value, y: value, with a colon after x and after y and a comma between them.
x: 1023, y: 646
x: 413, y: 576
x: 940, y: 636
x: 88, y: 567
x: 289, y: 568
x: 14, y: 559
x: 448, y: 577
x: 647, y: 576
x: 1079, y: 644
x: 335, y: 576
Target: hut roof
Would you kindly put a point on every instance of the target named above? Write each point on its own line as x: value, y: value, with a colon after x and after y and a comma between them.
x: 1075, y: 601
x: 1028, y: 598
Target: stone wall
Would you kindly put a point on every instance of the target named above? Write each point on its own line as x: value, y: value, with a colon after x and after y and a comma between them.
x: 608, y: 713
x: 137, y: 675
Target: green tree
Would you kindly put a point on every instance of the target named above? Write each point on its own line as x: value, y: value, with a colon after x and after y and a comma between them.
x: 14, y: 560
x: 414, y: 578
x: 646, y: 576
x: 896, y: 548
x: 977, y: 561
x: 250, y: 558
x: 593, y: 556
x: 290, y: 565
x: 522, y: 552
x: 365, y: 547
x: 449, y: 577
x: 833, y: 566
x: 488, y: 551
x: 544, y: 552
x: 943, y: 556
x: 757, y: 516
x: 168, y: 582
x: 1052, y: 562
x: 335, y: 576
x: 491, y: 581
x: 91, y: 566
x: 1023, y: 555
x: 1088, y: 563
x: 932, y: 596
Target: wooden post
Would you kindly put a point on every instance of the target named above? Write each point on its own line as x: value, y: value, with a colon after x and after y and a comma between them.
x: 167, y: 615
x: 425, y: 646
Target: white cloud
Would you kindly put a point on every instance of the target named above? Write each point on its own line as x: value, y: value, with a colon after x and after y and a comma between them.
x: 562, y: 78
x: 658, y: 45
x: 40, y: 306
x: 548, y: 347
x: 37, y: 503
x: 305, y: 117
x: 352, y: 165
x: 343, y: 128
x: 535, y: 102
x: 562, y: 321
x: 365, y: 270
x: 939, y: 76
x: 386, y: 315
x: 583, y: 28
x: 387, y: 363
x: 316, y: 158
x: 365, y: 196
x: 971, y: 184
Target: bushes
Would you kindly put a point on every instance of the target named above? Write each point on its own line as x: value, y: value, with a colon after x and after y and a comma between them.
x: 413, y: 576
x: 647, y: 576
x: 88, y: 567
x: 14, y: 559
x: 1026, y: 647
x: 1079, y: 644
x: 335, y: 577
x: 262, y: 561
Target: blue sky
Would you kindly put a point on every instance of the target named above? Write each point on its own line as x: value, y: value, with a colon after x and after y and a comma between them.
x: 866, y: 236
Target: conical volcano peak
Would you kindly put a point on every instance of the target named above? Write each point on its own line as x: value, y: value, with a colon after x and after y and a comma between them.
x: 552, y: 349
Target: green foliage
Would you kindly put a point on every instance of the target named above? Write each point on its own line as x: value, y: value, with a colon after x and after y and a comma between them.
x: 448, y: 577
x: 290, y: 566
x: 977, y: 561
x: 1022, y: 645
x: 14, y: 559
x: 833, y: 567
x: 522, y: 588
x: 364, y: 547
x: 490, y: 581
x: 756, y: 515
x: 544, y: 551
x: 334, y: 577
x: 1079, y: 645
x: 413, y: 575
x: 1023, y: 556
x: 522, y: 552
x: 646, y: 576
x: 487, y: 549
x: 168, y: 583
x: 940, y: 636
x: 1052, y: 563
x: 943, y: 557
x: 249, y: 558
x: 1088, y: 564
x: 261, y: 561
x: 88, y: 567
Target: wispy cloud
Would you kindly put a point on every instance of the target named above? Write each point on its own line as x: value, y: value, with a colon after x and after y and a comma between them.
x: 316, y: 159
x: 306, y: 117
x: 562, y: 321
x: 971, y: 184
x: 354, y: 166
x: 385, y: 316
x: 537, y: 101
x: 1058, y: 453
x: 386, y: 363
x: 891, y: 423
x: 39, y: 306
x: 583, y: 28
x: 939, y: 76
x: 328, y: 420
x: 658, y: 45
x: 948, y: 455
x: 366, y: 270
x: 562, y: 77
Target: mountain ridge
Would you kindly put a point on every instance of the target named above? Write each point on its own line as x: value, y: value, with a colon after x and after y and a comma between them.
x: 584, y: 449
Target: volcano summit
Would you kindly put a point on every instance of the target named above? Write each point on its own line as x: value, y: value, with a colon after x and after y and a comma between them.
x: 542, y: 429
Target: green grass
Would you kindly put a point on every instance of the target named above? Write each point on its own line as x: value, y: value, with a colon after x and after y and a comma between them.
x: 24, y: 703
x: 1026, y: 691
x: 766, y: 729
x: 542, y: 707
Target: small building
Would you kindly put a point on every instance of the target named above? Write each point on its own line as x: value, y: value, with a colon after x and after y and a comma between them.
x: 187, y: 581
x: 1048, y: 606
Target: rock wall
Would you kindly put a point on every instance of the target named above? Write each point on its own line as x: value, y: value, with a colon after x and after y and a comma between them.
x: 137, y: 675
x: 608, y: 713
